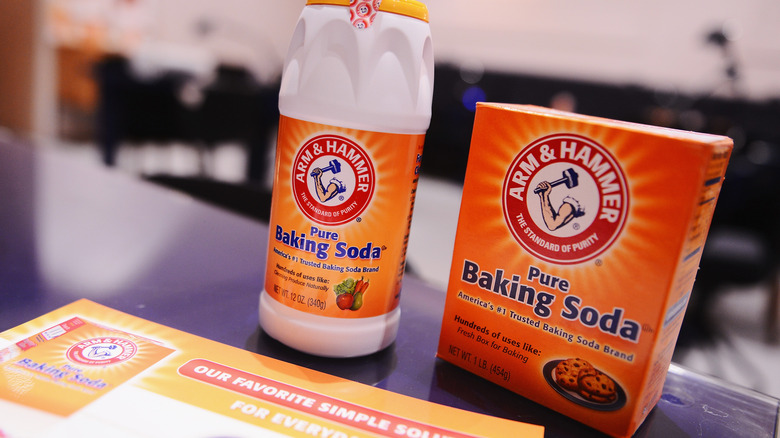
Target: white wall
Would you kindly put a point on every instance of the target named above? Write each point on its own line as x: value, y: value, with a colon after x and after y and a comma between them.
x: 251, y: 32
x: 656, y: 44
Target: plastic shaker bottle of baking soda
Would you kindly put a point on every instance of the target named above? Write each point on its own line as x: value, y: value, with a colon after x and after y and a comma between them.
x: 355, y: 104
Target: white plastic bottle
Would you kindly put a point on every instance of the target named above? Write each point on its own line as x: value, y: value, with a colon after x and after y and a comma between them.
x: 355, y: 104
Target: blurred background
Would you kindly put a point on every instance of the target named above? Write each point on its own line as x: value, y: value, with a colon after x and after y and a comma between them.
x: 183, y: 94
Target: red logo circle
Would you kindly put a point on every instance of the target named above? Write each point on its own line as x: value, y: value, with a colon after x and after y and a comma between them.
x: 102, y: 351
x: 565, y: 198
x: 332, y: 179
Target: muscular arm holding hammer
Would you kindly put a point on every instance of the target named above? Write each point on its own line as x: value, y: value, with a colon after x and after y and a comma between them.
x: 553, y: 219
x: 568, y: 210
x: 323, y: 193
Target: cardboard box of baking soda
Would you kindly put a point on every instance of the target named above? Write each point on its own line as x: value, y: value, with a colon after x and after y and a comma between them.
x: 577, y: 247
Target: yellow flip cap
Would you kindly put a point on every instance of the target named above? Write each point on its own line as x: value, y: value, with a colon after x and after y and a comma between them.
x: 409, y: 8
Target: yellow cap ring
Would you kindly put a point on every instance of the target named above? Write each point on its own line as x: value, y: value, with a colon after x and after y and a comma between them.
x: 409, y: 8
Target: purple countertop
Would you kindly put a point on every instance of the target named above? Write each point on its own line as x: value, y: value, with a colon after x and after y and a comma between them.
x: 70, y: 230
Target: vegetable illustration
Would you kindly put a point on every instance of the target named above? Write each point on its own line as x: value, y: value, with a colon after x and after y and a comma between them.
x: 345, y: 287
x: 361, y: 285
x: 349, y: 293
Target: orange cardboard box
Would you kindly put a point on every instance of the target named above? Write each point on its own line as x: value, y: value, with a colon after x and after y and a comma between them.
x: 578, y: 243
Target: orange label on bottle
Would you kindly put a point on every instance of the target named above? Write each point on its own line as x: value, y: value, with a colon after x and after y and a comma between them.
x: 340, y: 216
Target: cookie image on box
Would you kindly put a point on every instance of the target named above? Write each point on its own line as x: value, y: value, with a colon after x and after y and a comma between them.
x: 567, y: 372
x: 580, y: 382
x: 597, y: 387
